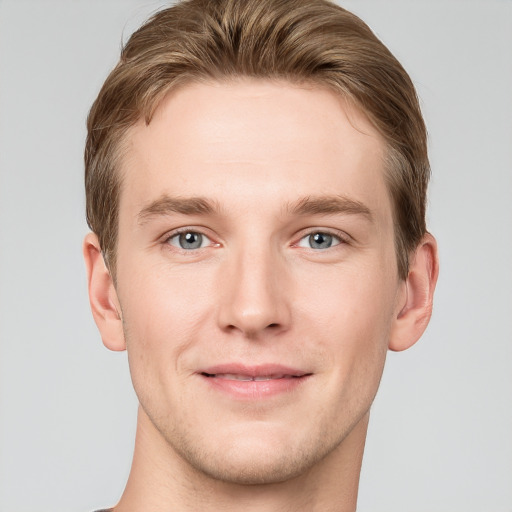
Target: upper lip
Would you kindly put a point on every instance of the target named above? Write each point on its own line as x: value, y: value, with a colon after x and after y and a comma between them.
x: 262, y: 370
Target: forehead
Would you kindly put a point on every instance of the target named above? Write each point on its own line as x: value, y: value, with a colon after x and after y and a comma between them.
x: 235, y: 140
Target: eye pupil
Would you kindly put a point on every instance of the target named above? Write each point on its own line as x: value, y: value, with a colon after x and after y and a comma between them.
x: 320, y: 240
x: 190, y: 240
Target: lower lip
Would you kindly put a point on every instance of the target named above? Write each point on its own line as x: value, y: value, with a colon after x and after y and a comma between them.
x: 254, y: 389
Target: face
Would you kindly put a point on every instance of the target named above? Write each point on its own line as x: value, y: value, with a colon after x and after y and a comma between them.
x: 256, y: 275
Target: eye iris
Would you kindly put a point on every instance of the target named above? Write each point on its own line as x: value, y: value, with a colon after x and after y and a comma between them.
x: 320, y: 240
x: 190, y: 240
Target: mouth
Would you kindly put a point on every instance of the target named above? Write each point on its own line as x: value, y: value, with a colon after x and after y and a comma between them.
x: 253, y: 382
x: 247, y: 378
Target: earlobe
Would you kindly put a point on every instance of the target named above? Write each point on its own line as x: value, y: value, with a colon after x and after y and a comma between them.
x: 415, y: 307
x: 105, y: 305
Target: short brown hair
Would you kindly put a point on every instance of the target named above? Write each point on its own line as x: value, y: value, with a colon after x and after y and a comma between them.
x: 312, y: 41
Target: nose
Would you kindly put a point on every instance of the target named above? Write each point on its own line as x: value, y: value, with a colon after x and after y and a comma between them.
x: 254, y: 298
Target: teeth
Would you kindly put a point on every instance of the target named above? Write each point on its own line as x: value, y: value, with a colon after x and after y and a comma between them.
x: 233, y: 376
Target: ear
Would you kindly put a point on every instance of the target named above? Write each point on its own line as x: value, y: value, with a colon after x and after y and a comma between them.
x: 105, y: 306
x: 415, y: 304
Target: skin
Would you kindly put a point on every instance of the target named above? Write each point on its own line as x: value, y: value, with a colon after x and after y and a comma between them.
x: 258, y: 291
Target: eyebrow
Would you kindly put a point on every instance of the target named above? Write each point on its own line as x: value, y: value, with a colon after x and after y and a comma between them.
x: 310, y: 205
x: 184, y: 205
x: 330, y: 205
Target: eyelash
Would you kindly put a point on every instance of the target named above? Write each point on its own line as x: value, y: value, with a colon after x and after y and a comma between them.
x: 185, y: 230
x: 342, y: 238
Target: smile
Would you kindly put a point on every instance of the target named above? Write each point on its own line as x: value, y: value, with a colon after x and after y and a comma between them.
x: 253, y: 383
x: 259, y: 378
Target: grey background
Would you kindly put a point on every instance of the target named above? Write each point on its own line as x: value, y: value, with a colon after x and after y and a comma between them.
x: 440, y: 437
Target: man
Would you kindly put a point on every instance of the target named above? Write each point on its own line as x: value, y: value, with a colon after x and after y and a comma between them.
x: 256, y: 177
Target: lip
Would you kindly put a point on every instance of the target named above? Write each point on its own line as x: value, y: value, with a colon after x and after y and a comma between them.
x: 258, y: 382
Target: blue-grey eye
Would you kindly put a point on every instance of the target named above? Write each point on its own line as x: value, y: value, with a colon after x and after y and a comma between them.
x: 189, y: 240
x: 319, y: 240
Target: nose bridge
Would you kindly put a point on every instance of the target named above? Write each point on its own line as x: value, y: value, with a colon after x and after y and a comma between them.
x: 254, y: 296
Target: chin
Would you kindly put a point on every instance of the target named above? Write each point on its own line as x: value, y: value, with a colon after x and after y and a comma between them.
x: 258, y: 460
x: 241, y: 469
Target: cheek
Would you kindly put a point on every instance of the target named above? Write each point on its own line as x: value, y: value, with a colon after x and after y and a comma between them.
x: 349, y: 315
x: 357, y: 300
x: 163, y: 311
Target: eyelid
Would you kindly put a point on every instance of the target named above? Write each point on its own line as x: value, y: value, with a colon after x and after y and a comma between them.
x: 188, y: 229
x: 341, y: 236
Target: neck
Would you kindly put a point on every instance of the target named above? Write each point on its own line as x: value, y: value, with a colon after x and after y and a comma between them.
x: 161, y: 481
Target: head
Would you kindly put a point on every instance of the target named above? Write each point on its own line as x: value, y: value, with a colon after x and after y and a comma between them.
x: 302, y: 42
x: 256, y: 175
